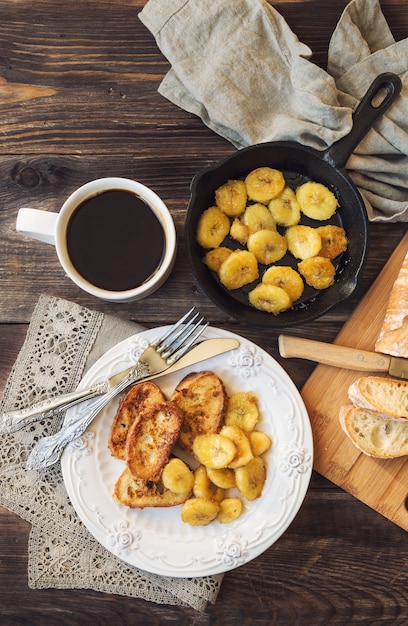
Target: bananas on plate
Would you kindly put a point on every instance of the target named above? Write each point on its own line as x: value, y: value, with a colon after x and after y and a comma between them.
x: 177, y: 476
x: 229, y: 459
x: 225, y: 450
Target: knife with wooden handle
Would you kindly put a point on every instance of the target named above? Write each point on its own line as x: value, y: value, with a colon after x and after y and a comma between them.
x: 341, y: 356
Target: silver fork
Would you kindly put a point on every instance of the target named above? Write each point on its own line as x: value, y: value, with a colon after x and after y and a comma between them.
x: 14, y: 420
x: 157, y: 358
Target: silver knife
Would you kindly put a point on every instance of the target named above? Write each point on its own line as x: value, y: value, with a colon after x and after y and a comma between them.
x: 342, y: 356
x: 12, y: 421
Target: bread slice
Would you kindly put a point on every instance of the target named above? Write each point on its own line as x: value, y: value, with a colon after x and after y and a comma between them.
x: 384, y: 395
x: 138, y: 494
x: 133, y: 403
x: 151, y: 438
x: 203, y: 399
x: 373, y: 434
x: 393, y: 336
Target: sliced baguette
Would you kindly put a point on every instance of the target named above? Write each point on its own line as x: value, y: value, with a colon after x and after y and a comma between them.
x: 132, y: 405
x: 393, y: 336
x: 373, y: 434
x: 151, y: 438
x: 138, y: 494
x: 388, y: 396
x: 203, y: 399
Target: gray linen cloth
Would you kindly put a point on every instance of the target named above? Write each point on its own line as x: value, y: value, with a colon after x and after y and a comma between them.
x: 240, y: 68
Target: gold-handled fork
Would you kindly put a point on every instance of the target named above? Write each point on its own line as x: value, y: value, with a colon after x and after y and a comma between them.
x: 158, y: 357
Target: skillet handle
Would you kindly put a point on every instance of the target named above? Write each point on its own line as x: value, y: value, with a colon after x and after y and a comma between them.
x: 378, y: 98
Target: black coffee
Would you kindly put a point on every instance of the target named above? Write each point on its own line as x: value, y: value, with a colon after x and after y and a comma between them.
x: 115, y: 240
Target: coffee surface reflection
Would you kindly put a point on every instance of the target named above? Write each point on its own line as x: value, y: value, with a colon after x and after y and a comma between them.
x: 115, y: 240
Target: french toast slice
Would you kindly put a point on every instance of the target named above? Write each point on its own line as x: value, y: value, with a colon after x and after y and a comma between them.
x: 151, y: 438
x: 131, y: 406
x: 138, y: 494
x: 203, y: 399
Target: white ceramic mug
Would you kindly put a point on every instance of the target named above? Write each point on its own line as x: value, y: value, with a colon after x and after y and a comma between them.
x: 53, y: 228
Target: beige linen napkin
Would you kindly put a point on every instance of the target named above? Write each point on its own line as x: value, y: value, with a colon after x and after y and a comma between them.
x: 239, y: 67
x: 362, y: 47
x: 63, y: 341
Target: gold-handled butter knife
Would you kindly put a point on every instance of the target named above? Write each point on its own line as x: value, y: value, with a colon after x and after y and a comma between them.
x: 48, y: 450
x: 342, y: 356
x: 15, y: 420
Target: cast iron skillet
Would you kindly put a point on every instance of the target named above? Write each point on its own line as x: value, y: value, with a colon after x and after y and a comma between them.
x: 299, y: 164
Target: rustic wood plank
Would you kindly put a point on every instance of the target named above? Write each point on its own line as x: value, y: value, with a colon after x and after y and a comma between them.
x: 102, y: 85
x: 78, y: 100
x: 380, y: 484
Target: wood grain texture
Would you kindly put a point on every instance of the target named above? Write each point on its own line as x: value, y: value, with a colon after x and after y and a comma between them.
x: 79, y: 100
x: 381, y: 484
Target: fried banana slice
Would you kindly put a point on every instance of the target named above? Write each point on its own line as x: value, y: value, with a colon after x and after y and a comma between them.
x: 230, y: 510
x: 178, y: 477
x: 318, y: 272
x: 303, y: 241
x: 244, y: 452
x: 251, y: 478
x: 334, y: 240
x: 214, y: 450
x: 316, y: 201
x: 213, y: 227
x: 242, y: 411
x: 268, y: 246
x: 260, y: 442
x: 204, y: 487
x: 264, y: 183
x: 258, y: 217
x: 216, y: 257
x: 223, y: 477
x: 270, y: 298
x: 285, y: 277
x: 199, y: 511
x: 285, y: 208
x: 239, y: 231
x: 239, y: 269
x: 231, y: 197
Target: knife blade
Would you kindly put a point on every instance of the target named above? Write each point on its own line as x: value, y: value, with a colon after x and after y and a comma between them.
x: 15, y: 420
x: 342, y: 356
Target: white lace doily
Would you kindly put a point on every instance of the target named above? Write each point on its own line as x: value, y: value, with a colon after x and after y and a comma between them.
x: 63, y: 341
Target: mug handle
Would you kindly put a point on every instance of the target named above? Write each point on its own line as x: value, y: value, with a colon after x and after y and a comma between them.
x: 37, y: 224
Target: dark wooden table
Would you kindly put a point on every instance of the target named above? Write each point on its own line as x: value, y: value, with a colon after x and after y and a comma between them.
x: 78, y: 100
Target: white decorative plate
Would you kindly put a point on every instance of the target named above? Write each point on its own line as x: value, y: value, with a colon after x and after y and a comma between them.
x: 156, y: 540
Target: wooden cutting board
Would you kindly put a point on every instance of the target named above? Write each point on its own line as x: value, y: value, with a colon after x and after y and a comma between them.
x: 382, y: 484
